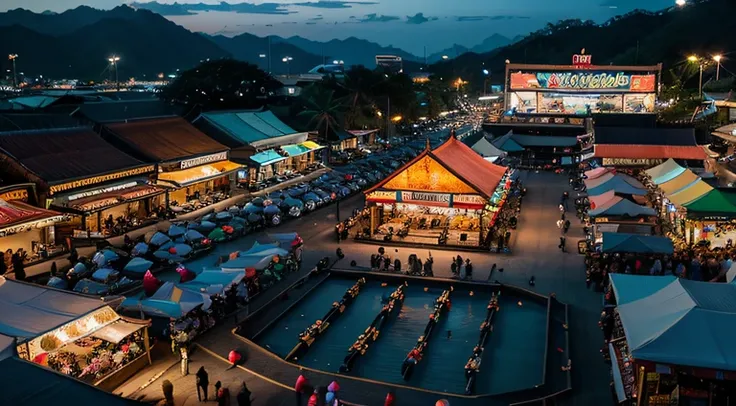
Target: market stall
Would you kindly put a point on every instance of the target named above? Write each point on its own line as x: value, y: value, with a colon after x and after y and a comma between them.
x: 649, y: 364
x: 448, y: 196
x: 75, y: 335
x: 195, y: 169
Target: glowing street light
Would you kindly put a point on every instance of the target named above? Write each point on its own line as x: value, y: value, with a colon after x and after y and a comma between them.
x: 701, y: 63
x: 718, y: 59
x: 396, y: 119
x: 114, y: 62
x: 445, y: 57
x: 12, y: 58
x: 681, y: 3
x: 287, y: 60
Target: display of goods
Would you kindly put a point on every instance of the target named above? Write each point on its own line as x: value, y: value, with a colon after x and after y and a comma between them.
x: 50, y: 342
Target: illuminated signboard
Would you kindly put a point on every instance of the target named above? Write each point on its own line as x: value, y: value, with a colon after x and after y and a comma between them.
x: 99, y: 179
x: 465, y: 200
x: 582, y: 60
x: 381, y: 196
x: 433, y: 199
x: 631, y: 161
x: 18, y: 194
x: 207, y: 159
x: 595, y: 80
x: 442, y: 199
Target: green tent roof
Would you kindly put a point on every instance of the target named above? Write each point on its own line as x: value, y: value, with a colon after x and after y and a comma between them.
x: 507, y: 143
x: 637, y: 244
x: 712, y: 202
x: 295, y: 149
x: 266, y: 157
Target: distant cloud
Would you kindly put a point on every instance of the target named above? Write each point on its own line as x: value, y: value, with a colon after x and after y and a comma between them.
x: 310, y: 23
x: 334, y: 4
x: 318, y: 18
x: 494, y: 18
x: 375, y: 18
x: 419, y: 18
x: 189, y: 9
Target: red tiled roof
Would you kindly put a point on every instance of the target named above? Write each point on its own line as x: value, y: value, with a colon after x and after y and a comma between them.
x: 463, y: 162
x: 632, y: 151
x: 166, y: 139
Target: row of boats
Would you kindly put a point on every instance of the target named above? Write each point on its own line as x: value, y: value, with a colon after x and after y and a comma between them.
x: 371, y: 334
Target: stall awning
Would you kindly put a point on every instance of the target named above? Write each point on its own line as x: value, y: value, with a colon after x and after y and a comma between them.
x: 267, y: 157
x: 727, y: 133
x: 16, y: 216
x: 665, y: 171
x: 198, y: 174
x: 628, y: 288
x: 685, y: 311
x: 678, y: 183
x: 295, y: 150
x: 635, y: 151
x: 486, y: 149
x: 100, y: 199
x: 117, y: 331
x: 636, y: 244
x: 618, y: 384
x: 690, y: 193
x: 506, y: 143
x: 618, y: 206
x: 619, y: 183
x: 597, y: 173
x: 311, y: 145
x: 713, y: 202
x: 27, y: 311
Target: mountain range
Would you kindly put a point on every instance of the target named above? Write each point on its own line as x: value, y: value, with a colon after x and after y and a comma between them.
x: 77, y: 43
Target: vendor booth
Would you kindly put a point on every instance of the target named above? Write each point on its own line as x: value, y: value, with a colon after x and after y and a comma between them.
x: 74, y: 335
x: 193, y: 168
x: 694, y: 209
x: 654, y: 317
x: 79, y: 173
x: 636, y: 244
x: 260, y: 141
x: 25, y: 225
x: 449, y: 196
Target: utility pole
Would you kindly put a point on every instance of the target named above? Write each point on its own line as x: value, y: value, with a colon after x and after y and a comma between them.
x: 114, y: 62
x: 269, y: 54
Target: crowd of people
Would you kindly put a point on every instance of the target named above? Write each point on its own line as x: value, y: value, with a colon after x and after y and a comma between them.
x: 14, y: 262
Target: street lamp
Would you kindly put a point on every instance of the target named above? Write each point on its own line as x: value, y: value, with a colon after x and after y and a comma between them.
x: 681, y: 3
x: 445, y: 57
x: 486, y: 73
x: 287, y: 60
x: 13, y: 57
x: 718, y: 59
x: 701, y: 63
x: 114, y: 62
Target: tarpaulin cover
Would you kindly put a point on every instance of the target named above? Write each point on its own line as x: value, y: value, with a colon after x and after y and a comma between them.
x: 27, y: 311
x: 712, y: 202
x: 619, y: 206
x: 684, y: 311
x: 213, y: 282
x: 665, y: 171
x: 597, y: 172
x: 629, y: 288
x: 619, y: 183
x: 486, y: 149
x: 690, y: 193
x: 679, y: 182
x: 169, y: 301
x: 636, y: 244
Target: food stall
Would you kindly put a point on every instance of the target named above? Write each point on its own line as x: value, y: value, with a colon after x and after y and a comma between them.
x: 194, y: 168
x: 449, y: 196
x: 75, y: 335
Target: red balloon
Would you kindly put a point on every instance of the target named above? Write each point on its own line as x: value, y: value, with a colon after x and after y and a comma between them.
x: 234, y: 357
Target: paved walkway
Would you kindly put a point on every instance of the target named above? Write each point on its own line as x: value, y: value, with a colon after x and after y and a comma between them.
x: 535, y: 254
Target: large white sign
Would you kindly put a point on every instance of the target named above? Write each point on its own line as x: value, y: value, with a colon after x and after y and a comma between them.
x: 443, y: 198
x: 207, y: 159
x: 468, y: 199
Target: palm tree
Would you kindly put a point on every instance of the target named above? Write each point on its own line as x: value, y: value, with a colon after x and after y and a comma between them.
x: 322, y: 109
x: 360, y: 84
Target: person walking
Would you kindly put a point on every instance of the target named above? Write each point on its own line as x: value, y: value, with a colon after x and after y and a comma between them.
x: 468, y: 269
x: 243, y: 397
x: 562, y: 208
x: 560, y: 223
x: 566, y: 226
x: 203, y: 381
x: 562, y: 244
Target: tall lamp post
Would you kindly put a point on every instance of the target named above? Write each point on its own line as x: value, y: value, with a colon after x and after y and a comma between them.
x: 114, y: 63
x: 486, y: 76
x: 12, y: 58
x: 701, y: 63
x: 718, y: 59
x: 287, y: 60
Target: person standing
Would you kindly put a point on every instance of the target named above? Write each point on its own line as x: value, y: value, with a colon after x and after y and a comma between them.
x: 19, y: 266
x: 562, y: 244
x: 244, y: 396
x: 566, y: 226
x: 203, y: 381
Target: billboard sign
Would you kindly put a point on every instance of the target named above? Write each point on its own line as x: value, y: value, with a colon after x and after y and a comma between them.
x: 582, y: 60
x: 584, y: 80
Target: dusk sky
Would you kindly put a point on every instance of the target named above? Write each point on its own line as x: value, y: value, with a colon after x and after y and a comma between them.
x: 441, y: 23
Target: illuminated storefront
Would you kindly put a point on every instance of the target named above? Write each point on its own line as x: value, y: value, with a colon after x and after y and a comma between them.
x: 23, y: 225
x: 449, y: 196
x: 190, y: 165
x: 581, y: 88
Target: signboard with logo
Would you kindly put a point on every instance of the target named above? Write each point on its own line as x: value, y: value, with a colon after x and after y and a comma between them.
x: 436, y: 199
x: 631, y: 162
x: 99, y: 179
x: 207, y: 159
x: 460, y: 201
x: 381, y: 196
x: 584, y: 80
x: 582, y: 60
x: 17, y: 194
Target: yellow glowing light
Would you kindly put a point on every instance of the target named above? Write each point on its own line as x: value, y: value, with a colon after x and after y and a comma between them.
x: 379, y: 114
x: 717, y: 58
x: 396, y: 119
x: 692, y: 58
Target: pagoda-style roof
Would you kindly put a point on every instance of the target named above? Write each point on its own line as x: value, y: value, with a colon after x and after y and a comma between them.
x: 453, y: 167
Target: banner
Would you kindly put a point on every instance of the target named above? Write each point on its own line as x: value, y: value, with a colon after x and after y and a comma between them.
x: 631, y: 161
x: 438, y: 199
x: 596, y: 80
x: 207, y: 159
x: 381, y: 196
x: 460, y: 201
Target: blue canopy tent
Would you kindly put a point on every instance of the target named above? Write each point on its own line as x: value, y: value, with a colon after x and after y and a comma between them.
x: 213, y: 282
x: 169, y: 301
x: 629, y: 288
x: 684, y: 312
x: 619, y: 183
x: 636, y: 244
x: 618, y: 206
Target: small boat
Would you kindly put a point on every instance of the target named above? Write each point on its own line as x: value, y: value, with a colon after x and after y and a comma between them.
x: 203, y: 226
x: 415, y: 355
x: 136, y: 268
x: 140, y: 249
x: 472, y: 367
x: 308, y: 336
x: 370, y: 335
x: 176, y: 231
x: 106, y: 282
